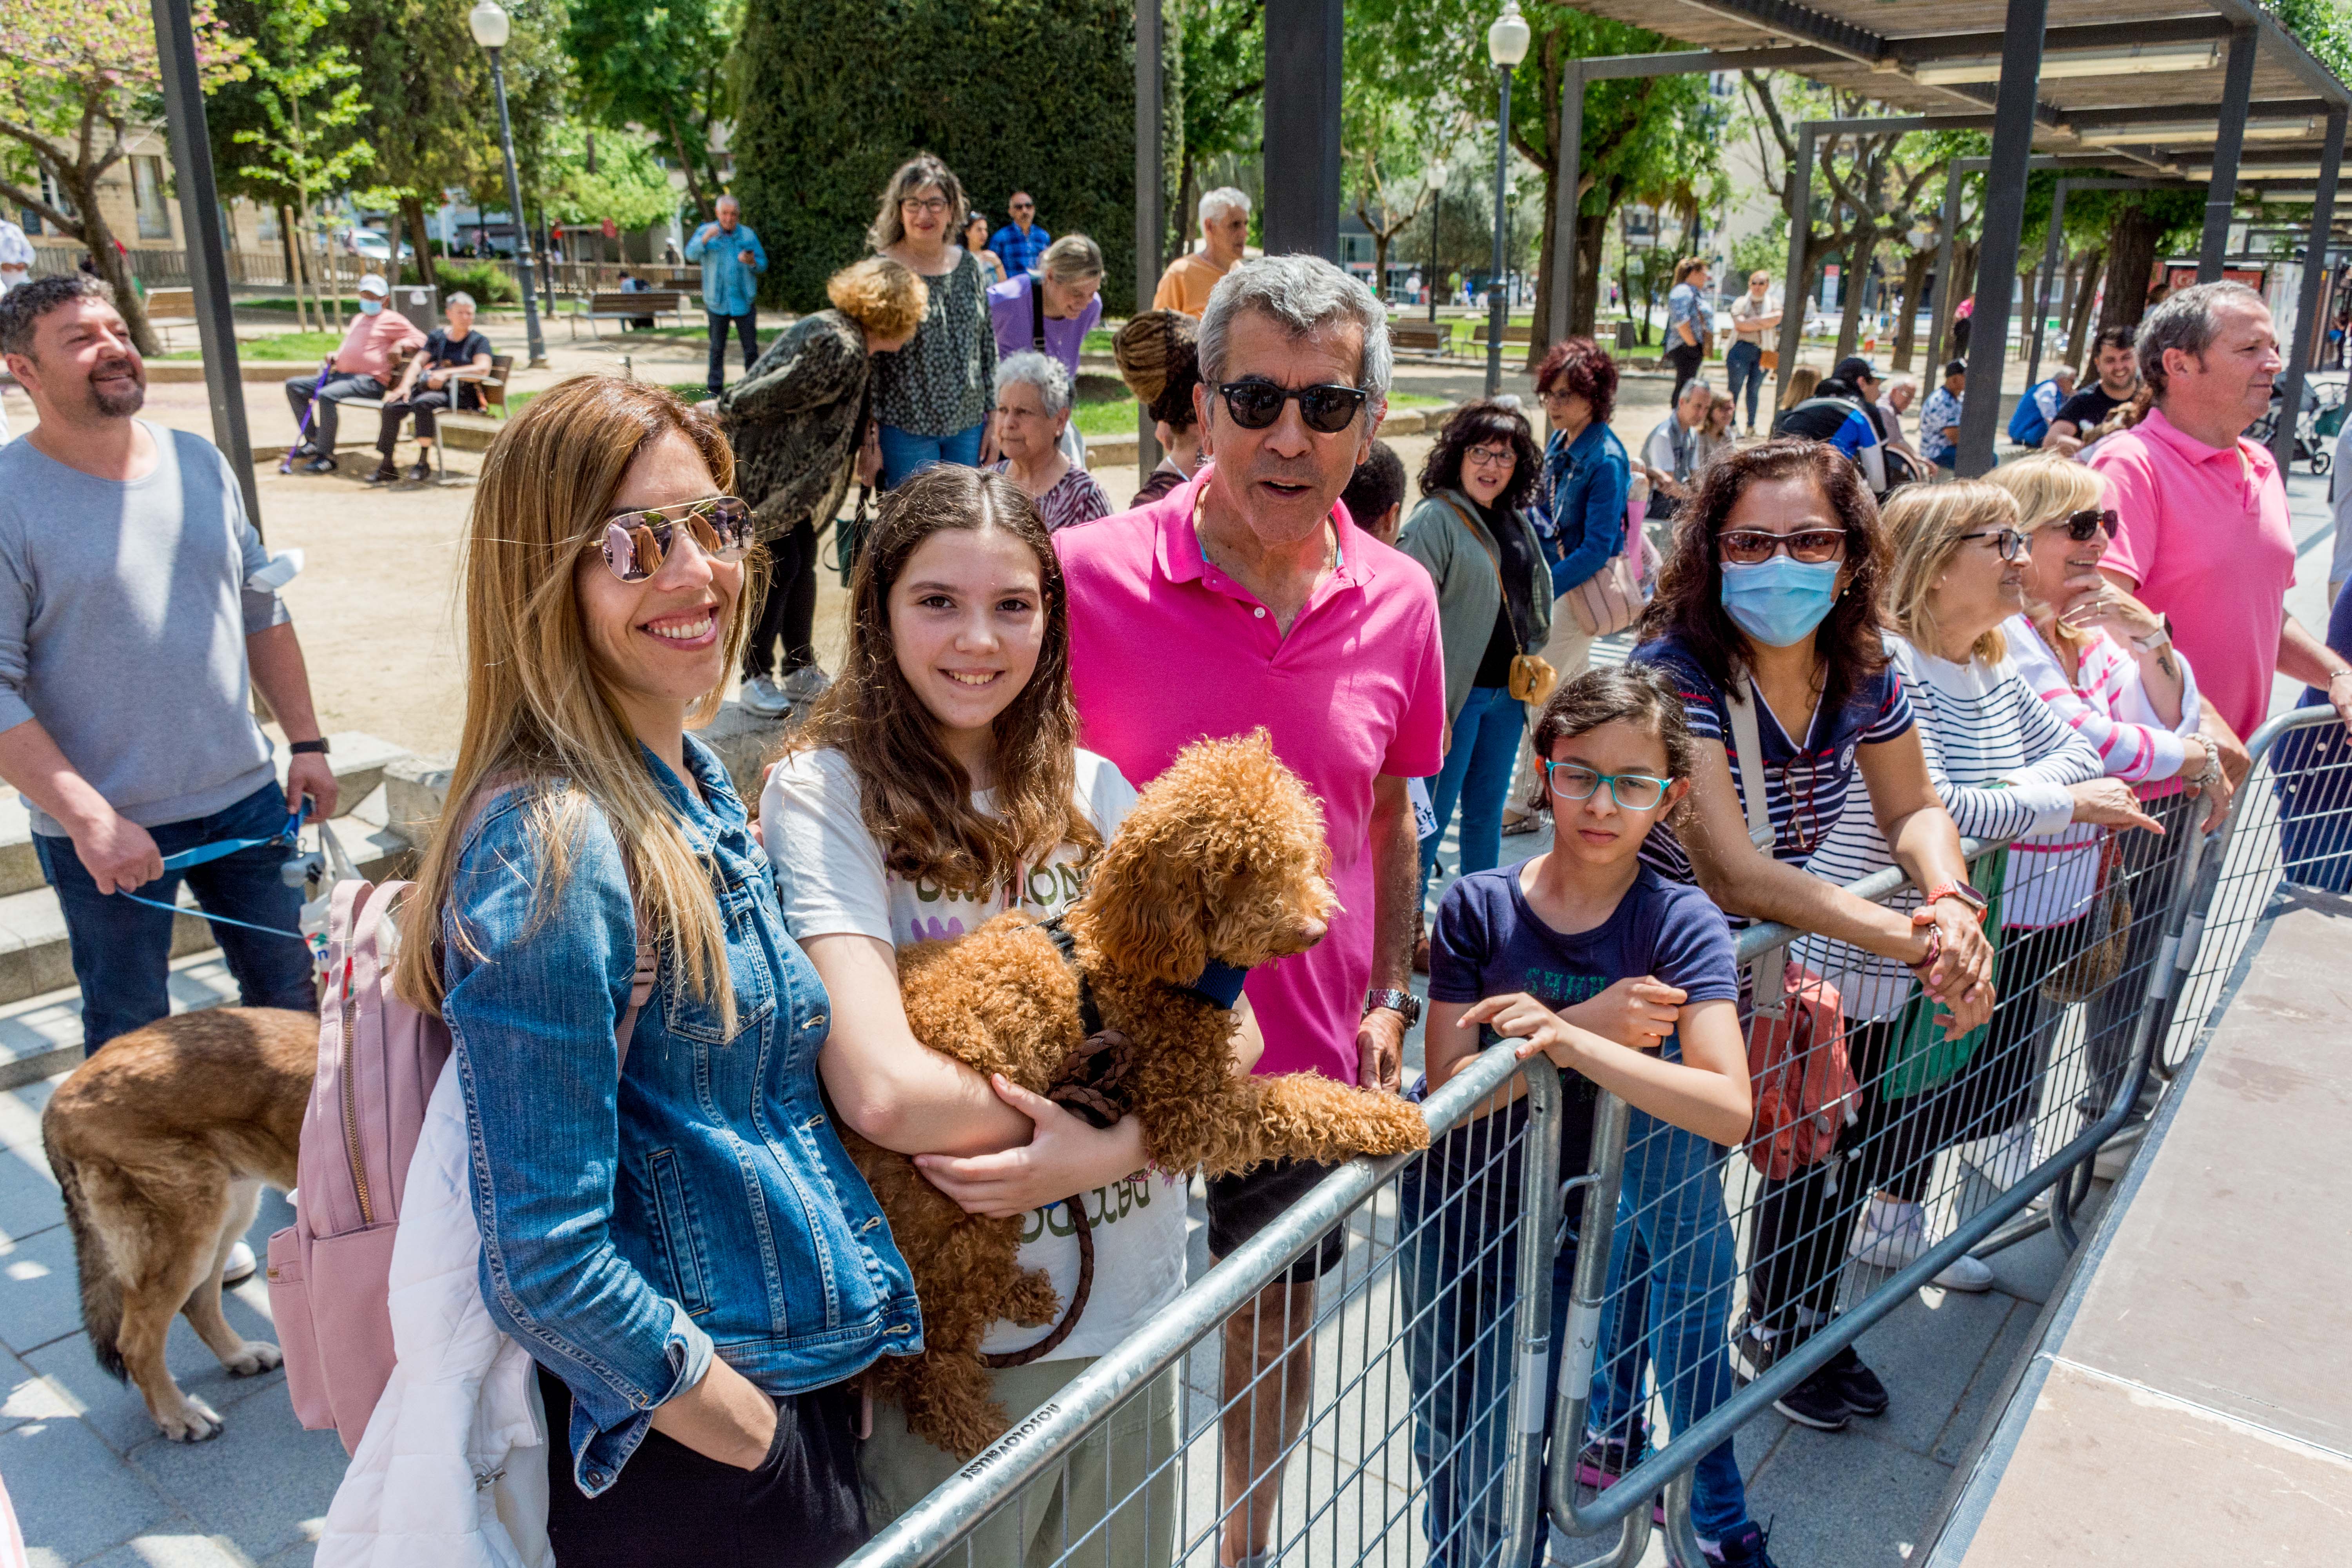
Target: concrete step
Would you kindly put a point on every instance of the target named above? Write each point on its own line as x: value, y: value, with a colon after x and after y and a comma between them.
x: 36, y: 958
x: 359, y: 762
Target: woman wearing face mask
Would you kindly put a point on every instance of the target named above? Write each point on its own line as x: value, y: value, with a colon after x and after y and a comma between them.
x: 2105, y: 665
x: 672, y: 1231
x: 2006, y: 766
x: 1769, y: 600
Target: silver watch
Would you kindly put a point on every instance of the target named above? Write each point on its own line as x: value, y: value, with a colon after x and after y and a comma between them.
x: 1400, y: 1002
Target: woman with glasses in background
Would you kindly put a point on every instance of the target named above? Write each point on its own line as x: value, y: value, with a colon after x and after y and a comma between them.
x: 1768, y: 602
x: 1473, y: 534
x: 673, y: 1229
x: 933, y: 397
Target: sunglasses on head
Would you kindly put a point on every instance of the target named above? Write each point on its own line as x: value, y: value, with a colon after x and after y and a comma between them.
x: 1327, y: 407
x: 1752, y: 547
x: 2081, y: 525
x: 635, y: 543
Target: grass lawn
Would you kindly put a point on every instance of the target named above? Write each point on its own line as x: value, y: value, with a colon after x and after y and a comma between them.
x: 313, y: 346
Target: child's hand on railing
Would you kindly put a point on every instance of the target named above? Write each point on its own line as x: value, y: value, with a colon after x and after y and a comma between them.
x: 1637, y: 1011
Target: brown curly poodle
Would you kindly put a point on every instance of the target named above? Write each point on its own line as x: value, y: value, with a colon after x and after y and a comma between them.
x: 1223, y: 857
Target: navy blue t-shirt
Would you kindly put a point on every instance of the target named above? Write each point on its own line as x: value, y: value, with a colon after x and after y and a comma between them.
x: 1806, y: 789
x: 1486, y: 943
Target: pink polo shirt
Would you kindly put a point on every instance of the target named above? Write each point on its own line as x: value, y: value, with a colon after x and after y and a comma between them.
x: 370, y: 342
x: 2204, y: 531
x: 1165, y: 649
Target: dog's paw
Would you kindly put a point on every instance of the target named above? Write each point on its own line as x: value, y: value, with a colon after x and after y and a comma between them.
x: 1395, y: 1126
x: 253, y: 1357
x: 193, y: 1422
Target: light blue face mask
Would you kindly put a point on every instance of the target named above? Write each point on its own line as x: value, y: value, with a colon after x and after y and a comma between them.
x: 1779, y: 602
x: 370, y: 306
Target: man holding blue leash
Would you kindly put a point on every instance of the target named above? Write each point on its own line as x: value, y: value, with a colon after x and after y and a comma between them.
x: 138, y: 611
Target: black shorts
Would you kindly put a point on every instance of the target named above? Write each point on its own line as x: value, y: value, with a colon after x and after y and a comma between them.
x: 1240, y: 1206
x: 803, y: 1508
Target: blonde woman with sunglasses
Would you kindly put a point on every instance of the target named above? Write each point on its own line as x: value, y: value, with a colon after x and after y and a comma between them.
x: 670, y: 1228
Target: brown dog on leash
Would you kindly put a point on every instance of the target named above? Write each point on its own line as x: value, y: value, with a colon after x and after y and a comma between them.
x: 161, y: 1142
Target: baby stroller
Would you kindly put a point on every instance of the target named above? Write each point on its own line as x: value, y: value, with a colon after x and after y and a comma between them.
x: 2322, y: 415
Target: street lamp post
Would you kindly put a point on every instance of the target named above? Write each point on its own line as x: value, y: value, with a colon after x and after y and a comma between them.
x: 490, y: 25
x: 1437, y: 210
x: 1507, y: 45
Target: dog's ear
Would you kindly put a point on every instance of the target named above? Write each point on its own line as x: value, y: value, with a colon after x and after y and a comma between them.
x: 1147, y: 904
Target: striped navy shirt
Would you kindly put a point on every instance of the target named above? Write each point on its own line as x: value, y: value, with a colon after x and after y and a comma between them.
x: 1805, y: 788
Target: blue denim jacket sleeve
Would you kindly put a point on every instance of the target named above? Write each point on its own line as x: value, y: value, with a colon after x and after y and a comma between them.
x: 1590, y: 514
x: 532, y: 998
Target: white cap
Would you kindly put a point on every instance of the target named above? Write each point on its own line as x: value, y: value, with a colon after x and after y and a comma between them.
x: 373, y: 283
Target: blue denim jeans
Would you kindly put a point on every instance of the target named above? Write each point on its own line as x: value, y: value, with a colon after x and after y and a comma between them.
x: 1744, y: 366
x: 1477, y: 774
x: 1459, y: 1282
x: 122, y: 951
x: 904, y: 452
x: 1672, y: 1268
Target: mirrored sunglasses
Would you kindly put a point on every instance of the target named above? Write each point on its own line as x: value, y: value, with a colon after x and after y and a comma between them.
x: 635, y: 543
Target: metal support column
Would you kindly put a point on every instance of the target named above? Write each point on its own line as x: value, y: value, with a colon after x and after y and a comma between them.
x: 1948, y: 300
x: 1566, y: 176
x: 2012, y: 152
x: 1498, y: 309
x: 1801, y: 237
x: 2308, y: 303
x: 2049, y: 279
x: 200, y: 228
x: 2221, y: 190
x: 1302, y: 127
x: 1150, y: 222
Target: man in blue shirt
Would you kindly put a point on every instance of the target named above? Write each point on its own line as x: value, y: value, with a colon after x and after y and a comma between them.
x: 1689, y: 321
x: 732, y: 259
x: 1939, y: 420
x: 1021, y: 243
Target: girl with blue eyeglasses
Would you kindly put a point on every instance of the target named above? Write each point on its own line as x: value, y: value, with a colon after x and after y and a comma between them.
x: 668, y: 1224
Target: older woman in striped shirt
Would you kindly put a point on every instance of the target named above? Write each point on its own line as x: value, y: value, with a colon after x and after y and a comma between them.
x: 2105, y: 665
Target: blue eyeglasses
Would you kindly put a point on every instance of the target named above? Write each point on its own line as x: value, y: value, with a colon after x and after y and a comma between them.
x: 1632, y: 792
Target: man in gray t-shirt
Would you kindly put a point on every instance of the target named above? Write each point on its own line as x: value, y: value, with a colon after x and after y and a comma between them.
x: 132, y: 631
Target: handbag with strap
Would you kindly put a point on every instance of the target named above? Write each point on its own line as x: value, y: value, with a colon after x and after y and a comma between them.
x: 1532, y: 676
x: 1747, y: 737
x: 1923, y: 1057
x: 2096, y: 966
x: 1610, y: 599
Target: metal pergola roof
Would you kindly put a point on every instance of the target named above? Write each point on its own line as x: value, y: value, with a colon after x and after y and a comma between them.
x: 2134, y: 89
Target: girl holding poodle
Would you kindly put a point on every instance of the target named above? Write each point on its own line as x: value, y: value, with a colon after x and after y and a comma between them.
x: 1627, y: 981
x: 936, y: 785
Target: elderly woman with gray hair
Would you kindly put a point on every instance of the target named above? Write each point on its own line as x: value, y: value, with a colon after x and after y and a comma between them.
x: 1032, y: 410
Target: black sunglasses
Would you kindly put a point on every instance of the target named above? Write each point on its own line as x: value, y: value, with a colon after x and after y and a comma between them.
x: 1328, y: 408
x: 2081, y: 525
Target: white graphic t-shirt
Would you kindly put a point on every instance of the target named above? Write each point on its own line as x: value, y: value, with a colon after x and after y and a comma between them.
x: 831, y: 879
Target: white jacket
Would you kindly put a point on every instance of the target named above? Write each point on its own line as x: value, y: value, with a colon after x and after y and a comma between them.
x: 452, y: 1470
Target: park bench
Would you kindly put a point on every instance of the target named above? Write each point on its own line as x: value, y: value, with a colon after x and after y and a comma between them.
x: 491, y: 384
x: 613, y: 305
x: 1510, y: 335
x: 1420, y: 337
x: 171, y: 308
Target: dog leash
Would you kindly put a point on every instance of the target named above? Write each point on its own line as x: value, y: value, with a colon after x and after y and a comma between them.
x: 289, y: 836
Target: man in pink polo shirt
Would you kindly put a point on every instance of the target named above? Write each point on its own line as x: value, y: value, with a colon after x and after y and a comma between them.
x: 1243, y: 599
x: 2203, y: 537
x: 361, y: 368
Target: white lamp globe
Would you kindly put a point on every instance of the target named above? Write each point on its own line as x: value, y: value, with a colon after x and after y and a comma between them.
x: 489, y: 26
x: 1508, y: 40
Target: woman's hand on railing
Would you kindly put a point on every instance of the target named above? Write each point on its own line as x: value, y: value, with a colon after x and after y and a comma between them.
x: 1958, y: 962
x: 2110, y: 803
x: 1637, y: 1011
x: 2219, y: 789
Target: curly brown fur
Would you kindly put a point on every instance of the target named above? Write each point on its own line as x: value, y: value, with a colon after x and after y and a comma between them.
x: 1223, y: 857
x: 161, y: 1144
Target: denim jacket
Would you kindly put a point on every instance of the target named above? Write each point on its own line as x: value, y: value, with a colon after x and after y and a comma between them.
x: 635, y: 1223
x: 1585, y: 487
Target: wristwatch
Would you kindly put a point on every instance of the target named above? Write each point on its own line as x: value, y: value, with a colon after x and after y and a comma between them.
x: 1402, y: 1002
x: 300, y: 748
x: 1925, y: 913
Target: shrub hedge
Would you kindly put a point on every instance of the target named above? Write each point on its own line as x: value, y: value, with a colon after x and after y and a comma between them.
x: 1034, y: 95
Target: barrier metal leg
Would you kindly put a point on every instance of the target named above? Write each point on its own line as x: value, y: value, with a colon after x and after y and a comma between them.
x: 1539, y: 1232
x: 1682, y: 1536
x: 1597, y: 1233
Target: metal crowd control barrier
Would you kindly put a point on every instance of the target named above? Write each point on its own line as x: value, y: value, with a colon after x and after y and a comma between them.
x: 1344, y: 1483
x: 1421, y: 1433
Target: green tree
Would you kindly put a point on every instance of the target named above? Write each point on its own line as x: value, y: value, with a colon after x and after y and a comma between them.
x: 1219, y: 112
x: 660, y: 65
x: 310, y: 96
x: 431, y: 116
x: 78, y: 79
x: 588, y: 177
x: 816, y: 141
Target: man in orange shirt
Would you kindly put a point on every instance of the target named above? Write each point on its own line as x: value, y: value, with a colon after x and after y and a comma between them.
x: 1224, y: 229
x: 362, y: 367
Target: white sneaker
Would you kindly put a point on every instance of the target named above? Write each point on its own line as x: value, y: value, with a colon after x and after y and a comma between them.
x: 239, y: 1267
x: 805, y: 684
x: 762, y: 696
x: 1889, y: 1235
x: 1967, y: 1274
x: 2003, y: 1159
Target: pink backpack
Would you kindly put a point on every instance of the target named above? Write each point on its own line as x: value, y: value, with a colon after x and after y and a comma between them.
x: 329, y: 1271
